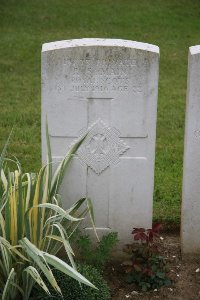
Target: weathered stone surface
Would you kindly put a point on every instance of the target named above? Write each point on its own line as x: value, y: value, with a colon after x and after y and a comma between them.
x: 190, y: 219
x: 107, y: 88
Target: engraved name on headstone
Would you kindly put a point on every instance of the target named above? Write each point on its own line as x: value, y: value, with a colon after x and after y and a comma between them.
x: 108, y: 88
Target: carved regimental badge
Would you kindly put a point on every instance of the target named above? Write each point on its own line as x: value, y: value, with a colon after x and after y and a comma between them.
x: 101, y: 147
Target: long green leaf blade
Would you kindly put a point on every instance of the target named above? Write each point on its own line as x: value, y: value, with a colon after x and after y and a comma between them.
x: 65, y: 268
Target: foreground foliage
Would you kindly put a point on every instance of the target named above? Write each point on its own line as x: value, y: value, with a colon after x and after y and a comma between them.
x: 71, y: 289
x: 33, y: 227
x: 147, y: 267
x: 99, y: 255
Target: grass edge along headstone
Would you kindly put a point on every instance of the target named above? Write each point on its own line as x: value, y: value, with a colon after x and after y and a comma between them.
x: 108, y: 88
x: 190, y: 214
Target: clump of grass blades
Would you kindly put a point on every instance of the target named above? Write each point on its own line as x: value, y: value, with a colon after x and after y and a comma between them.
x: 34, y: 227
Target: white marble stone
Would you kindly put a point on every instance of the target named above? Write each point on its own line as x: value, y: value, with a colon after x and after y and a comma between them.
x: 190, y: 219
x: 108, y: 88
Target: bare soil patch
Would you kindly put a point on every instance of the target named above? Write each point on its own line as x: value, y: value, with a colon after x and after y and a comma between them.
x: 185, y: 276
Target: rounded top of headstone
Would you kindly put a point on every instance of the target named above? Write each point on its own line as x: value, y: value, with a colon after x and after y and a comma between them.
x: 194, y: 50
x: 99, y: 42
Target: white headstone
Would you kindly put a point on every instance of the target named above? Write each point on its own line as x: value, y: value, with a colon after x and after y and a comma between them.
x: 190, y: 219
x: 108, y: 88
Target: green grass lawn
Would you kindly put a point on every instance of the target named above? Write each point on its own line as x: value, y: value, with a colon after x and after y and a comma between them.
x: 25, y: 25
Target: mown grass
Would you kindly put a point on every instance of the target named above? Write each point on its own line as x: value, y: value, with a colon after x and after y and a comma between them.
x: 173, y: 25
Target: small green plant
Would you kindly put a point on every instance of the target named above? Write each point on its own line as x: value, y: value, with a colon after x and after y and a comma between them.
x: 99, y: 255
x: 147, y: 267
x: 71, y: 289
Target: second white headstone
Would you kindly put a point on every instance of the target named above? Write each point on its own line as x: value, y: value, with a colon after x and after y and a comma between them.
x: 190, y: 217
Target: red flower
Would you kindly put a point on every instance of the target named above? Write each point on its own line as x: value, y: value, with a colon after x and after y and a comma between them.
x: 139, y: 234
x: 153, y: 232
